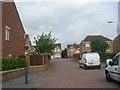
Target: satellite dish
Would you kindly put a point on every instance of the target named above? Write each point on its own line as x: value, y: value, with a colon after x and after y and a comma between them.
x: 26, y: 47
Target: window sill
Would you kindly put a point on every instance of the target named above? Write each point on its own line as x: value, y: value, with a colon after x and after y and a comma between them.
x: 7, y: 40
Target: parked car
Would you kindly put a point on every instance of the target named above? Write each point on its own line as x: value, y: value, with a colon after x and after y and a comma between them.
x: 90, y: 60
x: 112, y: 70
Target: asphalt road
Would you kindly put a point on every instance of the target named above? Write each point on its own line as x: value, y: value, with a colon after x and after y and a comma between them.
x: 65, y: 73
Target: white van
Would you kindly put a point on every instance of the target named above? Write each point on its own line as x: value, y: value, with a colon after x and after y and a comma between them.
x: 90, y: 60
x: 112, y: 70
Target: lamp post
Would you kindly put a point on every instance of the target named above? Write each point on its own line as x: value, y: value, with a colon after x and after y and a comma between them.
x: 26, y: 68
x: 118, y: 33
x: 118, y: 43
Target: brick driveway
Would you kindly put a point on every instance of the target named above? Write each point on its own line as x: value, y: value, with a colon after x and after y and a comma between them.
x: 65, y: 73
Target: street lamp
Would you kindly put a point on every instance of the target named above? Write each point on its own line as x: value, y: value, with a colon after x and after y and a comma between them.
x: 117, y: 33
x: 118, y: 40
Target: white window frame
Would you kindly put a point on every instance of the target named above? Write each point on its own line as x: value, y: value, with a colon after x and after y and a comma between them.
x: 87, y: 45
x: 7, y: 34
x: 71, y: 49
x: 58, y: 50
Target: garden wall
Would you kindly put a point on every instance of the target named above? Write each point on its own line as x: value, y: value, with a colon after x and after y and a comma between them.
x: 34, y: 65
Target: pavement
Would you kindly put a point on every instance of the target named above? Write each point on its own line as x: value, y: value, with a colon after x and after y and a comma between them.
x: 19, y: 82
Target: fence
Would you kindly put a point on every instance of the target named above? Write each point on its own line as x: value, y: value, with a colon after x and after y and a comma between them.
x: 38, y: 59
x: 76, y: 56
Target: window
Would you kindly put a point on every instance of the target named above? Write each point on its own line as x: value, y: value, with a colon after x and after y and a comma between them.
x: 71, y: 50
x: 115, y: 60
x: 7, y: 34
x: 58, y: 50
x: 87, y: 45
x: 55, y: 50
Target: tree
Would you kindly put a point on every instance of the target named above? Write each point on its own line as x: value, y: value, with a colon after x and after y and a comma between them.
x: 64, y: 53
x: 100, y: 46
x: 44, y: 43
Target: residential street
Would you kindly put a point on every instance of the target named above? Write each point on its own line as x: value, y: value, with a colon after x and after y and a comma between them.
x: 66, y: 73
x: 41, y: 42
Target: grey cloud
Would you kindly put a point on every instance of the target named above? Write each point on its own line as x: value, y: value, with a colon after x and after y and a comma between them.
x: 69, y: 22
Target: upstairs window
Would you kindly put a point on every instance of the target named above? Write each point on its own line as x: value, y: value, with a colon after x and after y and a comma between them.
x: 71, y: 50
x: 58, y: 50
x: 87, y: 45
x: 7, y: 34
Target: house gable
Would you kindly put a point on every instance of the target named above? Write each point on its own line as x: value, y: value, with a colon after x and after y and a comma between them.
x: 10, y: 18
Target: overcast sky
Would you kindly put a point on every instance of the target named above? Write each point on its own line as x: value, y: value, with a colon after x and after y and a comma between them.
x: 70, y: 22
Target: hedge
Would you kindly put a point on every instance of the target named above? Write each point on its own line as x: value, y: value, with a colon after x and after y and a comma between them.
x: 13, y: 63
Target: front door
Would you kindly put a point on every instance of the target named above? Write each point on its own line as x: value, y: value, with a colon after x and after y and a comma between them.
x: 114, y: 70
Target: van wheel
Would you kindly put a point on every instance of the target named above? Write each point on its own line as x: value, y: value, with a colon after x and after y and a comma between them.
x: 79, y: 65
x: 85, y: 67
x: 107, y: 76
x: 99, y: 67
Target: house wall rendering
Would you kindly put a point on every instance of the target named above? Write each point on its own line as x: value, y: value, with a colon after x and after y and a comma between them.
x: 57, y: 51
x: 73, y: 49
x: 13, y: 33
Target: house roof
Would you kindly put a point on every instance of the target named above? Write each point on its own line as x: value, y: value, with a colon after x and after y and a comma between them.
x: 73, y: 45
x: 92, y: 37
x: 117, y: 37
x: 27, y: 39
x: 58, y: 44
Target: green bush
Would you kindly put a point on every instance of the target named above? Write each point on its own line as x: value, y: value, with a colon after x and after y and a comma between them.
x: 109, y: 55
x: 13, y: 63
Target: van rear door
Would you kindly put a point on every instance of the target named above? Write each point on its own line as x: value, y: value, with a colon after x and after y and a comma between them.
x: 93, y: 59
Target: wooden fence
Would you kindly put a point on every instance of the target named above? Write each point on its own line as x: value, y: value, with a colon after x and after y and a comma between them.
x: 38, y: 59
x: 76, y: 56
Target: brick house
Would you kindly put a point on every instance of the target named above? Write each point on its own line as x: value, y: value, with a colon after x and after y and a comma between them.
x: 116, y: 43
x: 73, y: 49
x: 0, y: 30
x: 57, y: 51
x: 30, y: 49
x: 13, y: 34
x: 85, y: 45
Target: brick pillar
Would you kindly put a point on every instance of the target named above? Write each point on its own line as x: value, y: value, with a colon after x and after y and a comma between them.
x: 43, y: 59
x: 28, y: 60
x: 46, y: 58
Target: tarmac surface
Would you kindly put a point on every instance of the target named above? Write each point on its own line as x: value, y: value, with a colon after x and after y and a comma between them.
x: 64, y: 73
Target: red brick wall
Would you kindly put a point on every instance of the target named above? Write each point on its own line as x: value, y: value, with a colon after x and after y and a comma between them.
x: 116, y: 44
x: 11, y: 18
x: 0, y: 30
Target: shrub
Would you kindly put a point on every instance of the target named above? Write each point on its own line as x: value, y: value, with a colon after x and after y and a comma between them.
x: 13, y: 63
x: 109, y: 55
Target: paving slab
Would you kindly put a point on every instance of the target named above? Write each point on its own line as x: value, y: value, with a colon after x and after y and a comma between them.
x: 19, y: 82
